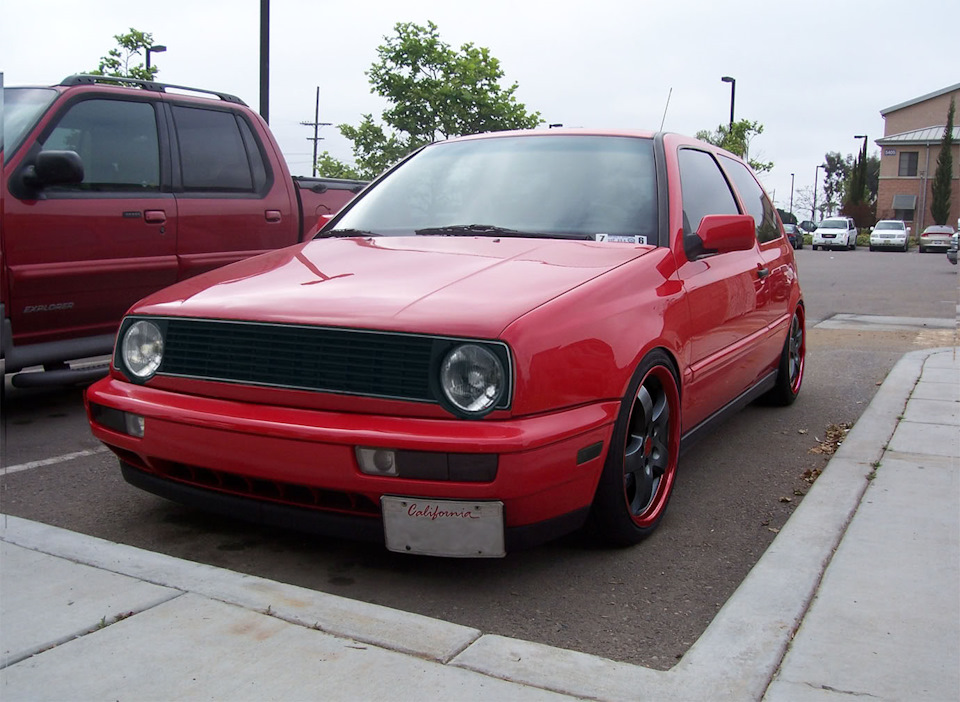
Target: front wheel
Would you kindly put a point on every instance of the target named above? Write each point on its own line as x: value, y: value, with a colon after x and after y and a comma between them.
x: 641, y: 464
x: 792, y: 364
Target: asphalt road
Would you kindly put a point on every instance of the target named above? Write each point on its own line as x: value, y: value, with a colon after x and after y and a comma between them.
x: 643, y: 605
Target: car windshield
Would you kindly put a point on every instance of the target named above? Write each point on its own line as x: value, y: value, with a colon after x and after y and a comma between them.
x: 889, y: 225
x: 833, y: 224
x: 22, y: 108
x: 566, y: 186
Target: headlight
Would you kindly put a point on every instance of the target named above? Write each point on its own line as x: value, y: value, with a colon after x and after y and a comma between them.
x: 472, y: 378
x: 142, y: 349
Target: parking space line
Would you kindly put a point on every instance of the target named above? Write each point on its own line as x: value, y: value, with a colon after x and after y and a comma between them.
x: 53, y: 461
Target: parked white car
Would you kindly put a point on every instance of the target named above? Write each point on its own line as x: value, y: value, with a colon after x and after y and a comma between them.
x: 889, y: 234
x: 936, y: 237
x: 835, y: 233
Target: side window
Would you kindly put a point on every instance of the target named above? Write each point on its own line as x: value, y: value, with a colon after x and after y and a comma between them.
x: 705, y: 191
x: 116, y: 140
x: 754, y: 199
x: 213, y: 152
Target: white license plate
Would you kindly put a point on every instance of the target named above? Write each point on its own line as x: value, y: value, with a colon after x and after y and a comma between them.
x: 450, y: 528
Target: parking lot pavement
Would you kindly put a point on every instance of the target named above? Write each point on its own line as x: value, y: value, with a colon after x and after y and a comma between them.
x: 856, y: 596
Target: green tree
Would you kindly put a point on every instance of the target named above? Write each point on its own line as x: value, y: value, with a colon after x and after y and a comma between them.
x: 836, y: 172
x: 117, y: 62
x: 940, y: 205
x: 330, y: 167
x: 434, y: 92
x: 736, y: 139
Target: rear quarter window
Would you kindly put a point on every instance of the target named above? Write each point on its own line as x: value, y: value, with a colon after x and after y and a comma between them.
x: 218, y: 152
x: 754, y: 199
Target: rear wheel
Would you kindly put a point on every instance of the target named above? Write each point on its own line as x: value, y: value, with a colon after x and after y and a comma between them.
x: 641, y: 465
x: 792, y: 363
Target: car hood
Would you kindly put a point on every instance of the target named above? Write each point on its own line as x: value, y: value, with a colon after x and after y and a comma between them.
x: 458, y: 286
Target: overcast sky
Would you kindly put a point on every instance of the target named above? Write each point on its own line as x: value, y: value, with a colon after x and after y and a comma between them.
x: 814, y: 73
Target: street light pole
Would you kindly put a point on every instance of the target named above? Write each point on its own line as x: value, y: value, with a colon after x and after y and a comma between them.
x: 733, y: 94
x: 791, y: 193
x: 157, y: 49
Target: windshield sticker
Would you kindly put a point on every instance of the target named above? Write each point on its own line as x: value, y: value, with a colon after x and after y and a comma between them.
x: 622, y: 238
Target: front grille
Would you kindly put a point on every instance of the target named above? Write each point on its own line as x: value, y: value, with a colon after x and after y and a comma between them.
x: 309, y: 358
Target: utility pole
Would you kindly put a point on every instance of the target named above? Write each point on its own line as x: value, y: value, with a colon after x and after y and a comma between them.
x: 316, y: 124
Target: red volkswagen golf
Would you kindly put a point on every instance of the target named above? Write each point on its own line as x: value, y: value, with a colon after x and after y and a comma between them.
x: 503, y: 338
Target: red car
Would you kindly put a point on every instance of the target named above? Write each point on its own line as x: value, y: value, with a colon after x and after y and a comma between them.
x: 505, y: 336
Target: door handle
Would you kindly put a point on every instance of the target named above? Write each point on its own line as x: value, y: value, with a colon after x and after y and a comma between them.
x: 272, y: 215
x: 154, y: 216
x: 762, y: 272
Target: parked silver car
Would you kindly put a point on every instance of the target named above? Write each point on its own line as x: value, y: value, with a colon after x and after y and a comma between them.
x: 936, y: 237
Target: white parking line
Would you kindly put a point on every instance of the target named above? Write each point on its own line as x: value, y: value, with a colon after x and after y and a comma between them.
x: 53, y: 461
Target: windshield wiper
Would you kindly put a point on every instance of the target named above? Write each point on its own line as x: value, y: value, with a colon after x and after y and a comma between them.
x: 344, y: 232
x: 472, y: 230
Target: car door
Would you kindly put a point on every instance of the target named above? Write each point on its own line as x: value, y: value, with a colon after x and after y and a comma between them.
x: 726, y: 294
x: 79, y: 255
x: 231, y: 203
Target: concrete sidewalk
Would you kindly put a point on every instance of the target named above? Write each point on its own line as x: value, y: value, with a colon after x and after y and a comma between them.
x: 857, y: 595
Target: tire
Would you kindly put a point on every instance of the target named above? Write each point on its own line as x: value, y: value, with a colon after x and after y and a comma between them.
x: 923, y: 250
x: 853, y: 246
x: 813, y: 247
x: 641, y: 465
x: 905, y: 247
x: 872, y: 247
x: 793, y: 361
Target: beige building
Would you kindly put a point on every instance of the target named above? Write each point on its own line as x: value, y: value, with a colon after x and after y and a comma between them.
x: 912, y: 133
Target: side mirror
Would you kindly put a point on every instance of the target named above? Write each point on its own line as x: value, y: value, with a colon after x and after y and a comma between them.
x: 872, y: 228
x: 54, y: 168
x: 723, y: 233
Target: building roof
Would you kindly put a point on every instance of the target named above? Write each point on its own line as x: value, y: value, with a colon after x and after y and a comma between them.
x: 922, y: 98
x: 927, y: 135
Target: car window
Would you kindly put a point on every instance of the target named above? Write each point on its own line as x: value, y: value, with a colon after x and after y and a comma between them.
x: 704, y: 189
x: 833, y: 224
x: 754, y: 199
x: 116, y: 140
x: 214, y: 152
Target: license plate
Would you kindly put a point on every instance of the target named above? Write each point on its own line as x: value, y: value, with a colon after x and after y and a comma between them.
x: 450, y: 528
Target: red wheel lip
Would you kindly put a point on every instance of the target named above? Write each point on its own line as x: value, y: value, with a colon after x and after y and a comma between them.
x: 655, y: 511
x: 795, y: 385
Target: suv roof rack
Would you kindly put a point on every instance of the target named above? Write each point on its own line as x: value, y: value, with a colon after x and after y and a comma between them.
x: 86, y: 79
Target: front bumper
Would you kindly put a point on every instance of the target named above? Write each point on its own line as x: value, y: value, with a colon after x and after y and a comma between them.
x: 295, y: 467
x: 828, y: 241
x: 893, y: 243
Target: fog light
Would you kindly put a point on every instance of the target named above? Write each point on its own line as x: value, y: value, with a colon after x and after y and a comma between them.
x: 377, y: 461
x: 134, y: 424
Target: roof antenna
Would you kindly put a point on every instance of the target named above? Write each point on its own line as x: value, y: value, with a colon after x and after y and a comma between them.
x: 665, y: 109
